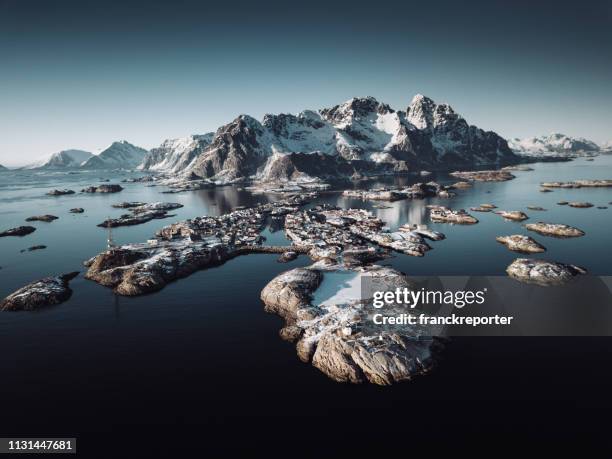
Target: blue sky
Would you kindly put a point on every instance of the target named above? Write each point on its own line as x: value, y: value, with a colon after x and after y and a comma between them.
x: 83, y: 74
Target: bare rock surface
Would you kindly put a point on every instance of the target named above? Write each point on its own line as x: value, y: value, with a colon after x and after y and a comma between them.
x: 77, y: 210
x: 336, y: 335
x: 542, y: 272
x: 18, y: 231
x: 520, y: 243
x: 38, y: 294
x: 554, y: 229
x: 514, y: 215
x: 536, y: 208
x: 42, y: 218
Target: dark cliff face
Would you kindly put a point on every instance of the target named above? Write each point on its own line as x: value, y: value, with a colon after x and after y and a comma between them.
x: 235, y: 151
x: 293, y: 167
x: 177, y: 154
x: 456, y: 142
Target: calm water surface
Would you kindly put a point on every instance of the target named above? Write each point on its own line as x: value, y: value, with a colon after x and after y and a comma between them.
x: 202, y: 353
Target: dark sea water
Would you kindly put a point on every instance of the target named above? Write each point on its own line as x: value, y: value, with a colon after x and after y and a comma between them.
x: 200, y: 364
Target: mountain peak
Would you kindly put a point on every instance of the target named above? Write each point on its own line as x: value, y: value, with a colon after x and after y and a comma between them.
x: 355, y: 108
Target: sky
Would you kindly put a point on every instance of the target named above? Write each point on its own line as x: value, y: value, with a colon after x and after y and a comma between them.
x: 81, y: 74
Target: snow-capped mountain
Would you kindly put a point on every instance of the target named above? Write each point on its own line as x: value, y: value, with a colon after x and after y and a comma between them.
x: 2, y: 168
x: 357, y: 136
x: 174, y: 155
x: 554, y: 143
x: 65, y: 159
x: 119, y: 155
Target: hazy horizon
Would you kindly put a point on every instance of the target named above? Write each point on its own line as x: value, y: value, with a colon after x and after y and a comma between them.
x: 80, y: 75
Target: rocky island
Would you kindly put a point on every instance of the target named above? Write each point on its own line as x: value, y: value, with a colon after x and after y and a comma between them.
x: 441, y: 214
x: 42, y: 218
x: 579, y: 184
x: 38, y: 294
x: 520, y: 243
x: 542, y: 272
x: 580, y: 205
x: 19, y: 231
x: 335, y: 336
x: 554, y: 229
x: 141, y: 213
x: 104, y: 188
x: 484, y: 176
x: 60, y: 192
x: 514, y: 215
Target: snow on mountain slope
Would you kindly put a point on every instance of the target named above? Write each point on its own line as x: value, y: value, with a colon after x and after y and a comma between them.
x: 61, y: 160
x: 361, y: 134
x: 2, y: 168
x: 553, y: 143
x: 174, y: 155
x: 119, y: 155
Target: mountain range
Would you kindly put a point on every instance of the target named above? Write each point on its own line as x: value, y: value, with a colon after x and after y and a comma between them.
x: 554, y: 143
x: 359, y: 136
x: 119, y: 155
x: 61, y: 160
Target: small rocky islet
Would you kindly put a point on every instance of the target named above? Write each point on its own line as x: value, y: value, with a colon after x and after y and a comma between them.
x: 18, y: 231
x: 141, y: 212
x: 42, y: 218
x: 521, y: 243
x: 442, y: 214
x: 580, y: 205
x: 41, y: 293
x: 514, y: 215
x: 60, y: 192
x: 484, y: 176
x: 554, y: 229
x: 104, y: 188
